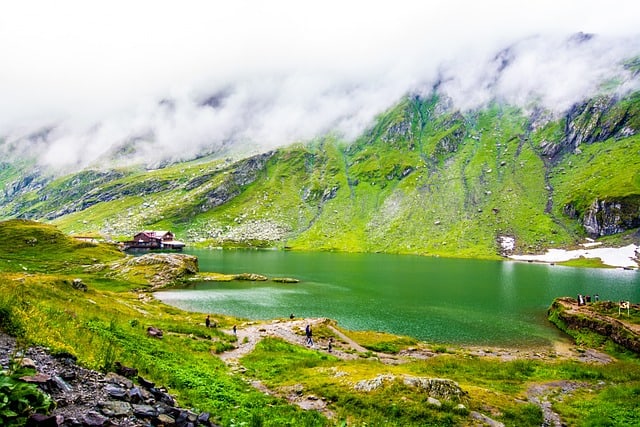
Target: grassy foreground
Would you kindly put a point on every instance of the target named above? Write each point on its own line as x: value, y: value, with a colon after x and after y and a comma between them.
x: 108, y: 322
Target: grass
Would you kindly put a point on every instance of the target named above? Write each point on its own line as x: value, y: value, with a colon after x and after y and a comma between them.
x: 108, y: 322
x: 381, y: 341
x: 584, y: 263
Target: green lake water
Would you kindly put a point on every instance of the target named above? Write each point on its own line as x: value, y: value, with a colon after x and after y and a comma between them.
x: 437, y: 300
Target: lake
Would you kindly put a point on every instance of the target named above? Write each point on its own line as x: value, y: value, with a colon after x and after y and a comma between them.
x: 457, y: 301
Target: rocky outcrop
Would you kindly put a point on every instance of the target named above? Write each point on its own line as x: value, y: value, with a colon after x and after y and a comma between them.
x: 596, y: 120
x: 85, y: 397
x: 569, y: 317
x: 608, y: 217
x: 160, y: 269
x: 437, y: 388
x: 453, y: 138
x: 241, y: 174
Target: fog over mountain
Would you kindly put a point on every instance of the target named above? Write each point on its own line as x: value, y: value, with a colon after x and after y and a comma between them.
x: 154, y: 82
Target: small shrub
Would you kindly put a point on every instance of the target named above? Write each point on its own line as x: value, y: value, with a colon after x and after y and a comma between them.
x: 19, y: 399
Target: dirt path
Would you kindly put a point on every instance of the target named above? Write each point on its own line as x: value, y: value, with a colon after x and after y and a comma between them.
x: 345, y: 348
x: 545, y: 394
x: 292, y: 331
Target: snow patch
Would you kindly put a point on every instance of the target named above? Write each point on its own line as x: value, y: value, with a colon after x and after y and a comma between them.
x: 626, y: 256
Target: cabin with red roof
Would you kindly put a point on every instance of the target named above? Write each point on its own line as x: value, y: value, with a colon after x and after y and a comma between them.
x: 154, y: 240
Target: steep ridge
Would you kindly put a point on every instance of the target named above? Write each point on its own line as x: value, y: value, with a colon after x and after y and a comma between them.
x: 425, y: 179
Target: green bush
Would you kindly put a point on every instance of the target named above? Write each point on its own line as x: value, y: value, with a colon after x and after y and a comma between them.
x: 19, y: 399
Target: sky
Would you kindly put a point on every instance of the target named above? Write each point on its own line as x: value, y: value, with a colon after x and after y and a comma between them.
x: 158, y: 81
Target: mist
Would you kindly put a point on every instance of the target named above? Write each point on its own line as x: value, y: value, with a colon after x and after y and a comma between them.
x: 155, y: 82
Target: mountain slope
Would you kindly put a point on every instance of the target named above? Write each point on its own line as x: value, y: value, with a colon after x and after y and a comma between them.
x: 425, y: 179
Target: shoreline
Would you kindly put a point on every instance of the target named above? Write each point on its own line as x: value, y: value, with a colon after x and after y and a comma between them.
x: 622, y: 257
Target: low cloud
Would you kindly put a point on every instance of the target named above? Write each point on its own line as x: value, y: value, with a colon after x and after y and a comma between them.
x: 149, y: 83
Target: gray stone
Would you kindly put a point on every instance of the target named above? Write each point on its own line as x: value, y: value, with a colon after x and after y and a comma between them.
x: 434, y: 402
x: 144, y: 411
x: 116, y: 392
x: 114, y: 408
x: 93, y: 418
x: 204, y: 417
x: 40, y: 420
x: 166, y: 420
x: 437, y: 387
x: 135, y: 395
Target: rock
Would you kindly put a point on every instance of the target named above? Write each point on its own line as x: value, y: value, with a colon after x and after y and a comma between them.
x: 145, y: 383
x: 166, y: 420
x: 252, y: 277
x: 93, y: 418
x: 115, y: 408
x: 38, y: 378
x: 561, y: 314
x: 608, y: 217
x: 125, y: 371
x: 135, y: 395
x: 373, y: 384
x: 116, y: 392
x: 437, y: 387
x: 434, y: 402
x: 113, y: 378
x: 167, y: 268
x: 154, y: 332
x: 40, y: 420
x: 144, y: 411
x: 79, y: 285
x: 203, y: 418
x: 285, y: 280
x: 28, y: 363
x: 163, y: 396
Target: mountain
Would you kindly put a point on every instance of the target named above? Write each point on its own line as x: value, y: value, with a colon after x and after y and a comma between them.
x: 425, y: 179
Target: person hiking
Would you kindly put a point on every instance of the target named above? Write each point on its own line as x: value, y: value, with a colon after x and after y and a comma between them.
x: 309, y: 334
x: 207, y: 321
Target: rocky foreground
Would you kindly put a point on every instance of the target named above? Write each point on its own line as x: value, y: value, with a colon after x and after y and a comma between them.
x: 88, y: 398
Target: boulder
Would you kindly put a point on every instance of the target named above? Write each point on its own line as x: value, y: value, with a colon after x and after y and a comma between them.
x: 152, y: 331
x: 252, y: 277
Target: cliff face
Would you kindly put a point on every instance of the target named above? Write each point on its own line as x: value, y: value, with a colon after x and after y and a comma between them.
x: 604, y: 218
x: 572, y: 319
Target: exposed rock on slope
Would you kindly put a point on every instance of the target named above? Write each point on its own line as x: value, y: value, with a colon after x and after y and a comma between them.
x: 88, y: 398
x: 158, y: 269
x: 605, y: 218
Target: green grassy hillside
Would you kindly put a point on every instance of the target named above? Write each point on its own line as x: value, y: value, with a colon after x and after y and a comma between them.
x: 423, y: 180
